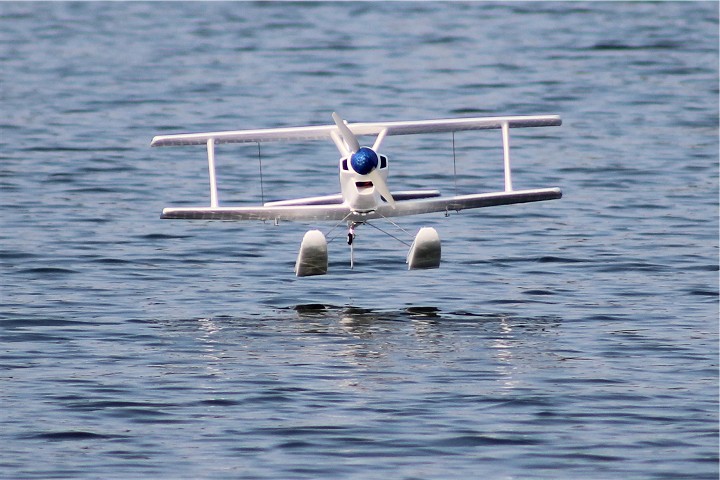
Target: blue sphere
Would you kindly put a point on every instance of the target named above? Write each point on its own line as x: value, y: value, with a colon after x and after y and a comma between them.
x: 364, y: 160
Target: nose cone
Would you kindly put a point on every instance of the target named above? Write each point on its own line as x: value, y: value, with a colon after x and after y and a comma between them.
x: 364, y: 160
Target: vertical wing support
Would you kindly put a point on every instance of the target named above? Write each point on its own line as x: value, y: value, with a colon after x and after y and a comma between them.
x: 506, y: 155
x: 211, y: 171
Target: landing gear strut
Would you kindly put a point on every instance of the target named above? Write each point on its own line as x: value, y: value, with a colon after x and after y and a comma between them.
x: 350, y: 240
x: 351, y: 234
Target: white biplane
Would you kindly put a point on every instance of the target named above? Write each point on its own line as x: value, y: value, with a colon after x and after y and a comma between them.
x: 364, y: 195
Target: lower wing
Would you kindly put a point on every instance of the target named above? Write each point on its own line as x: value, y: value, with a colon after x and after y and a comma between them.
x: 464, y: 202
x: 342, y: 212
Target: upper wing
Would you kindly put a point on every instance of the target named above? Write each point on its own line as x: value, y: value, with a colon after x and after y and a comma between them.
x: 454, y: 124
x: 342, y: 212
x: 246, y: 136
x: 359, y: 129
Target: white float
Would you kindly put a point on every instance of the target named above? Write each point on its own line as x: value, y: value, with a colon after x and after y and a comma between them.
x: 313, y: 255
x: 425, y: 250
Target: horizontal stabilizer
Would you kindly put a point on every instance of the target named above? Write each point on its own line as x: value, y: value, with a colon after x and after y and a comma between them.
x: 338, y: 200
x: 323, y: 200
x: 414, y: 194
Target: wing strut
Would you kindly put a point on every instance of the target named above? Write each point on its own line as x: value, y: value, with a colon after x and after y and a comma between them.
x: 506, y: 155
x: 211, y: 169
x: 454, y: 164
x: 262, y: 188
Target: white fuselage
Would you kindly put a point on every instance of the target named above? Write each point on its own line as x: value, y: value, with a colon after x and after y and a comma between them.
x: 358, y: 191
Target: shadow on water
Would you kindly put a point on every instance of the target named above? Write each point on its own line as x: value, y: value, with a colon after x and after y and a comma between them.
x: 352, y: 315
x: 362, y: 314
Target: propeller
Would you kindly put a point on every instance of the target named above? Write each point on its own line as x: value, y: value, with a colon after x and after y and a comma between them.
x: 350, y: 139
x: 364, y: 160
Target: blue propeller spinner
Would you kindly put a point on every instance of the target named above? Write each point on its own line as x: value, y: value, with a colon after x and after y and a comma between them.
x: 364, y: 161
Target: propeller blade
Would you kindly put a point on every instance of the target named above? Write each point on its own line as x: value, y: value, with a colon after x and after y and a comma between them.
x: 382, y: 187
x: 347, y: 134
x: 379, y: 139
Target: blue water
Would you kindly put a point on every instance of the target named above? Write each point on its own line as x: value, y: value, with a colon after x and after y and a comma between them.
x: 568, y: 339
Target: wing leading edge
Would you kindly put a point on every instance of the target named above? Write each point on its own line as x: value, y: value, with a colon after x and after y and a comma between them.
x: 342, y: 212
x: 360, y: 129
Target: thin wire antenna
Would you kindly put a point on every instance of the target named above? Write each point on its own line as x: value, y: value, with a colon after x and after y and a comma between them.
x: 262, y: 189
x: 454, y: 164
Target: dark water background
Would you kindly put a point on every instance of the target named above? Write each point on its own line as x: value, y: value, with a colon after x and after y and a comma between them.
x: 567, y: 339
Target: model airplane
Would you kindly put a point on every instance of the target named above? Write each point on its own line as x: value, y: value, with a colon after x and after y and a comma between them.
x: 364, y: 195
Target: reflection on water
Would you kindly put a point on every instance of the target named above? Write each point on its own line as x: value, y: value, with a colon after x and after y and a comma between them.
x: 504, y: 355
x: 368, y: 344
x: 510, y: 344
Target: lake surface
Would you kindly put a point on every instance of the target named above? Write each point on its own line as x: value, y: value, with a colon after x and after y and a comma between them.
x: 568, y: 339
